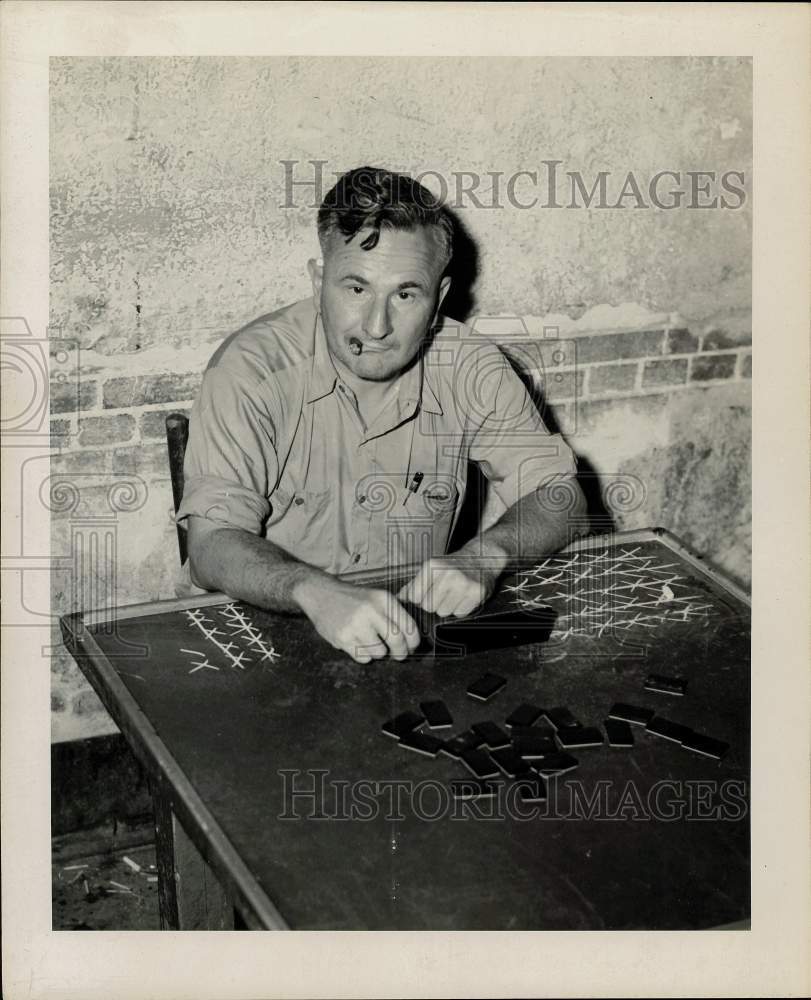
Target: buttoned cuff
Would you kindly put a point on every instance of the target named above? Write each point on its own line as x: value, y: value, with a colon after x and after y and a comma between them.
x: 225, y: 503
x: 534, y: 472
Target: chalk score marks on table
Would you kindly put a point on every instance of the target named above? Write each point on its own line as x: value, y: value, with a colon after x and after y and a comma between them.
x: 239, y: 642
x: 606, y: 591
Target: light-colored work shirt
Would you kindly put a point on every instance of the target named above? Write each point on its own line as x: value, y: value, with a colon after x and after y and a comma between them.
x: 278, y: 448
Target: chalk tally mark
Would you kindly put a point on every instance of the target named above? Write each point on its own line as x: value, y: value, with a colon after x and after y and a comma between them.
x: 243, y: 645
x: 599, y: 592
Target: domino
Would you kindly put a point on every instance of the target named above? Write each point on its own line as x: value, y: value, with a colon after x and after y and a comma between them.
x: 619, y: 733
x: 492, y: 736
x: 428, y: 746
x: 560, y: 717
x: 519, y: 732
x: 436, y: 714
x: 479, y: 764
x: 513, y: 626
x: 706, y: 746
x: 668, y: 730
x: 630, y: 713
x: 524, y: 715
x: 508, y: 761
x: 556, y: 763
x: 486, y: 687
x: 576, y: 737
x: 532, y: 790
x: 665, y: 685
x: 456, y: 745
x: 401, y: 724
x: 532, y: 746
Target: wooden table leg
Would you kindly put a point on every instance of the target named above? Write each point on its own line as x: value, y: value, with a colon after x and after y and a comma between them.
x: 190, y: 897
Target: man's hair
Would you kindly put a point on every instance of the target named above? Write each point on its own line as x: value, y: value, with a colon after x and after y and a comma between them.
x: 373, y: 198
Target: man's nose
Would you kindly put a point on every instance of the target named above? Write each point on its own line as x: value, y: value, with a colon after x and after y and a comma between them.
x: 377, y: 323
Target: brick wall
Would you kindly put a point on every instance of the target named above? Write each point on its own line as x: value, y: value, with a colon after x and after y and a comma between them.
x: 115, y: 424
x: 614, y: 365
x: 663, y: 405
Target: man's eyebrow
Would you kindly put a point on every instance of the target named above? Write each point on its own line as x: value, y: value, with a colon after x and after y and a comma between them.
x: 359, y: 280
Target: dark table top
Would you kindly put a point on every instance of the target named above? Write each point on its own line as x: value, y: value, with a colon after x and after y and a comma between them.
x: 649, y: 837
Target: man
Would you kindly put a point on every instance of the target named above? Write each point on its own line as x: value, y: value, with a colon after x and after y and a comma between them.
x: 334, y: 436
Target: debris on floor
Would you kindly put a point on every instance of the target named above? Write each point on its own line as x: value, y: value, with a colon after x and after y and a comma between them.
x: 108, y: 890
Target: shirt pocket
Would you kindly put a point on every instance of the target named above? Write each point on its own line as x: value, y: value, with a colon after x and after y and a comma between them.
x: 419, y: 525
x: 301, y: 522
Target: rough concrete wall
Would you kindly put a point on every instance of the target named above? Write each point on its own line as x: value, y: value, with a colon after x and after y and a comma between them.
x: 169, y: 229
x: 167, y: 182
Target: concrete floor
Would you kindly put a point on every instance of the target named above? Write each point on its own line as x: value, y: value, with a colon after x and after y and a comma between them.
x: 85, y: 870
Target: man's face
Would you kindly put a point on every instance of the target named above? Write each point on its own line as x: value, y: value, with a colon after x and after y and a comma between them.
x: 386, y: 299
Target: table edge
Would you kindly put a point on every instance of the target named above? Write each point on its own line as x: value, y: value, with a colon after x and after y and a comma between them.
x: 209, y: 838
x: 99, y: 616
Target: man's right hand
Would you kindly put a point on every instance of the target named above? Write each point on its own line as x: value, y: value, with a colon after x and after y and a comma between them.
x: 367, y: 623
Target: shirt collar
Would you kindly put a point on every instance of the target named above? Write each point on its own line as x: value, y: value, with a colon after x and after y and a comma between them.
x: 322, y: 371
x: 414, y: 385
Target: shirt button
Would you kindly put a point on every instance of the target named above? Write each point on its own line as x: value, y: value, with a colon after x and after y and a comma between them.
x: 356, y: 557
x: 362, y: 499
x: 341, y: 388
x: 299, y: 501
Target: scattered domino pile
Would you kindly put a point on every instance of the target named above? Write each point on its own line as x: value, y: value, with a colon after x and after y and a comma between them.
x: 535, y: 743
x: 237, y: 641
x: 609, y: 589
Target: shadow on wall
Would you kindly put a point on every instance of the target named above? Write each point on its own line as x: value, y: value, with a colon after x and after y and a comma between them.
x: 460, y: 304
x: 587, y: 475
x: 475, y: 503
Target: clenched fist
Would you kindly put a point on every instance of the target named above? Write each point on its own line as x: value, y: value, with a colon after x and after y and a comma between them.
x: 450, y: 585
x: 367, y: 623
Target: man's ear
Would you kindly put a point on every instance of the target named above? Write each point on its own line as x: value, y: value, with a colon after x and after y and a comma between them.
x: 315, y: 268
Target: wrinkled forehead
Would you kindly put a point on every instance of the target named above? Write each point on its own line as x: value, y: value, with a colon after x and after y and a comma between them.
x: 398, y: 253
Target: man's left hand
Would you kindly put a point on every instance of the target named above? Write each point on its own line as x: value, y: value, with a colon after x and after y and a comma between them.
x: 451, y: 585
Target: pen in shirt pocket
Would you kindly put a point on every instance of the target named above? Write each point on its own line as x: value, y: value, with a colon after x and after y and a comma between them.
x: 415, y: 485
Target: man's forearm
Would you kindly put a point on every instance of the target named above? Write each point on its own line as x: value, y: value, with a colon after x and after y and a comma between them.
x: 532, y: 528
x: 250, y: 568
